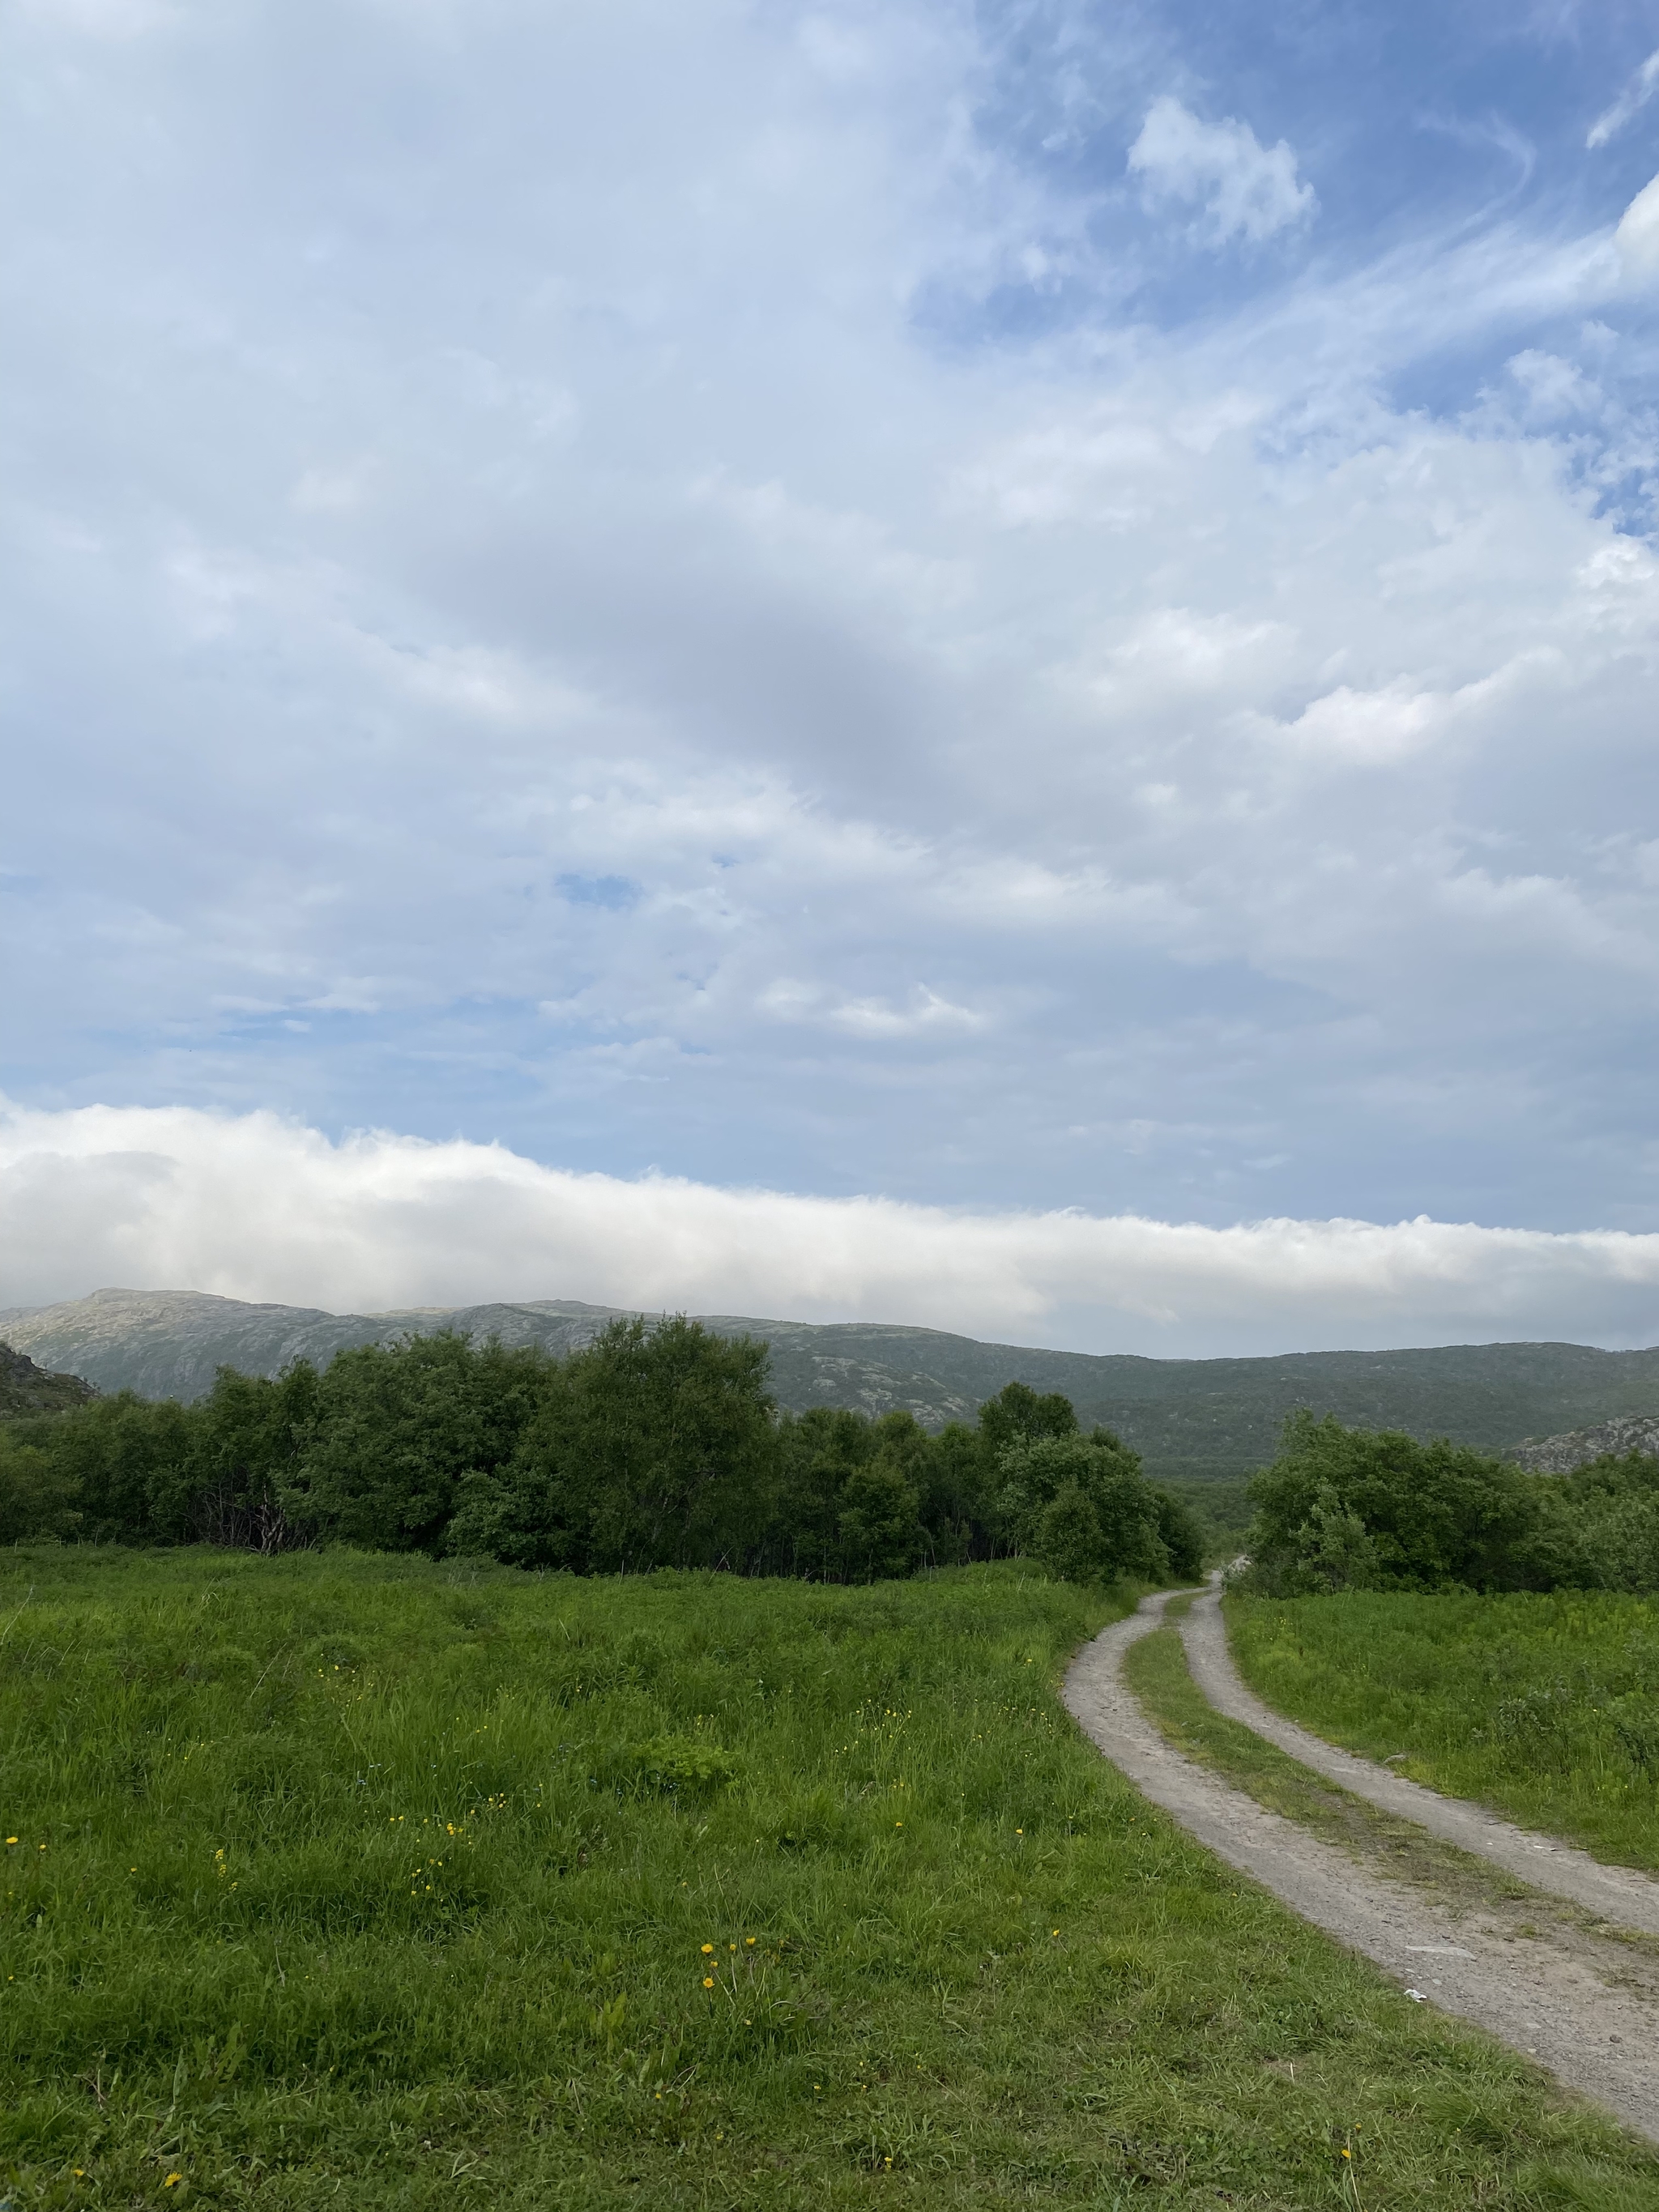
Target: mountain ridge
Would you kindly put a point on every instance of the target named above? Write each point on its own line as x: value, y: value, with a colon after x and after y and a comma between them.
x: 1194, y: 1420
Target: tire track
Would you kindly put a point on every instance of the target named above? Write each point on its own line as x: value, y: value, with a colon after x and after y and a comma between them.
x: 1599, y: 2040
x: 1619, y: 1894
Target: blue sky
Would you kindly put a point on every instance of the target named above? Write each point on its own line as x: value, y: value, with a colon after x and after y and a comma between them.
x: 1019, y: 609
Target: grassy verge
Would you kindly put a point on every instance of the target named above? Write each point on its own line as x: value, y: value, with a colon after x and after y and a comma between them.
x: 354, y: 1879
x: 1546, y: 1708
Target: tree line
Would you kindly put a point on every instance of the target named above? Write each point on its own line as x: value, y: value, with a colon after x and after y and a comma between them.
x: 1357, y: 1509
x: 656, y: 1445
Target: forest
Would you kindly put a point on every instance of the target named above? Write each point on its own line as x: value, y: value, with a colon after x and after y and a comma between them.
x: 656, y: 1445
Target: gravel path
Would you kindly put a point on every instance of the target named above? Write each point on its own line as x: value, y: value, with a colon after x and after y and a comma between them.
x: 1541, y: 1999
x: 1616, y: 1893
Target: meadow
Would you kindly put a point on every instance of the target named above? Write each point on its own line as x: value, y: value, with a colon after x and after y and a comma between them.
x: 1546, y: 1706
x: 353, y: 1877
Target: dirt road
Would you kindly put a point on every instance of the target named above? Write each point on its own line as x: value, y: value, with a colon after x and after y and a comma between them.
x: 1551, y: 1999
x: 1616, y: 1893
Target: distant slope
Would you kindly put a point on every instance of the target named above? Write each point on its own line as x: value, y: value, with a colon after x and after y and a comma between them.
x: 1192, y: 1419
x: 1630, y: 1432
x: 26, y: 1388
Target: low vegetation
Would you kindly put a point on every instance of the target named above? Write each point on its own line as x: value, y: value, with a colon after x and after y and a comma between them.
x: 1546, y: 1706
x: 1363, y: 1510
x: 650, y: 1447
x: 334, y: 1877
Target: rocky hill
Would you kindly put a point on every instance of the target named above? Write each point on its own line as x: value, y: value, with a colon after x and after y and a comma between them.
x: 26, y: 1388
x: 1192, y: 1419
x: 1632, y: 1433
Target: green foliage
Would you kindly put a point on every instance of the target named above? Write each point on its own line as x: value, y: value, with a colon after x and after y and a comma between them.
x: 1348, y: 1509
x: 407, y: 1886
x: 1355, y: 1508
x: 652, y: 1446
x: 1609, y: 1535
x: 37, y: 1496
x: 1183, y: 1534
x: 393, y: 1429
x: 1079, y: 1503
x: 1545, y: 1705
x: 880, y: 1523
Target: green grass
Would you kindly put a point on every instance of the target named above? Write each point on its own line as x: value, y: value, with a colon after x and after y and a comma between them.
x: 370, y: 1881
x: 1546, y: 1708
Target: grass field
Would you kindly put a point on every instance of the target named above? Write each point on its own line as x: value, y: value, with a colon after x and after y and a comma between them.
x: 1545, y: 1707
x: 349, y: 1879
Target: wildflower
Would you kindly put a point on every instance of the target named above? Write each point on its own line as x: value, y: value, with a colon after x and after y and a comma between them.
x: 730, y: 1946
x: 749, y: 1941
x: 707, y: 1947
x: 172, y: 2179
x: 11, y: 1839
x: 709, y: 1981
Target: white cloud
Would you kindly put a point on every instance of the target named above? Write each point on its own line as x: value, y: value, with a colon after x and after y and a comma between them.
x: 254, y: 1207
x: 1638, y: 235
x: 1246, y: 190
x: 714, y: 452
x: 1635, y: 96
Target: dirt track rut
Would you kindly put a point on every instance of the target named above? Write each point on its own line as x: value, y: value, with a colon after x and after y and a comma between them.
x: 1546, y: 2000
x: 1616, y: 1893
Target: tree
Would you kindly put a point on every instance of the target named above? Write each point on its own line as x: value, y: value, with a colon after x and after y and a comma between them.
x: 1105, y: 1476
x: 655, y: 1446
x: 393, y: 1429
x: 37, y: 1497
x: 819, y: 1452
x: 247, y: 1436
x: 1430, y: 1515
x: 880, y: 1526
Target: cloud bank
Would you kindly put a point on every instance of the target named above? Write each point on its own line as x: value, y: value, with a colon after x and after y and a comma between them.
x: 254, y: 1207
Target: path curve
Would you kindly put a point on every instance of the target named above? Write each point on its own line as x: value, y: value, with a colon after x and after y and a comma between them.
x: 1600, y: 2041
x: 1616, y: 1893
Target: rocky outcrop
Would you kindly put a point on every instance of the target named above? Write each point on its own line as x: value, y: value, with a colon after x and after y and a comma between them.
x: 1613, y: 1439
x: 26, y: 1388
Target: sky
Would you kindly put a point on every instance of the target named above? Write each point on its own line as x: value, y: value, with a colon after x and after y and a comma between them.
x: 989, y: 666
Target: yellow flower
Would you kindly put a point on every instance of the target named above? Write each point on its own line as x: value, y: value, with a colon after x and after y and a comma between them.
x: 11, y: 1839
x: 707, y: 1948
x: 170, y: 2179
x: 709, y: 1981
x: 749, y: 1941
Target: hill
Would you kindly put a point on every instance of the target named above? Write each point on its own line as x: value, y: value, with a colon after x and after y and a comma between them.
x: 26, y: 1388
x: 1192, y: 1419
